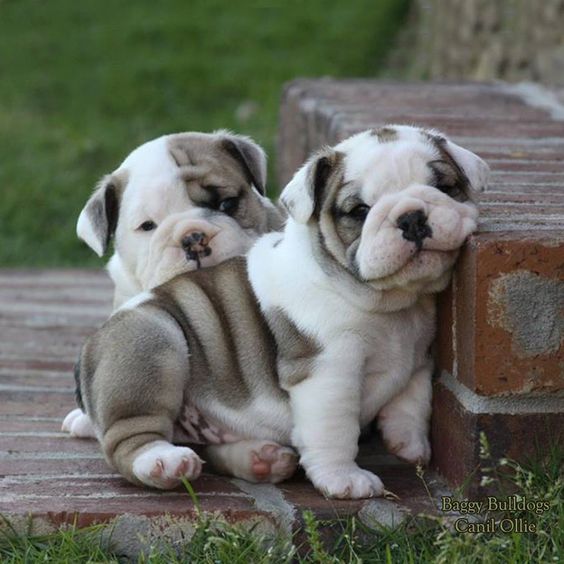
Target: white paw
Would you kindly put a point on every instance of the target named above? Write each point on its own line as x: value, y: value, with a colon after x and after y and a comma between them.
x: 78, y: 424
x: 350, y: 482
x: 162, y: 465
x: 273, y: 463
x: 413, y: 447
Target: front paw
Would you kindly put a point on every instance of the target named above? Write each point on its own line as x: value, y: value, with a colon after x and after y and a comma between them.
x: 348, y: 483
x: 411, y: 447
x: 163, y: 465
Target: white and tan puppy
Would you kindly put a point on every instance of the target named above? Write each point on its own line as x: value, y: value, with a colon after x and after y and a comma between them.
x: 318, y: 331
x: 175, y: 204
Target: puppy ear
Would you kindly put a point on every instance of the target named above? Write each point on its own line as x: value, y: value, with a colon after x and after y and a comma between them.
x: 98, y: 220
x: 475, y: 169
x: 303, y: 195
x: 250, y: 157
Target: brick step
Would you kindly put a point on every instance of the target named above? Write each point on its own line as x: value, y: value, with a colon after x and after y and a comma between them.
x: 501, y: 333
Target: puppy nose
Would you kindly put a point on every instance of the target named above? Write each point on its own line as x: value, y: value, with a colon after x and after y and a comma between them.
x: 193, y: 240
x: 196, y: 246
x: 414, y: 227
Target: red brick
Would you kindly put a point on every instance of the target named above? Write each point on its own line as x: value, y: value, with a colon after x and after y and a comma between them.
x: 496, y: 345
x: 455, y: 431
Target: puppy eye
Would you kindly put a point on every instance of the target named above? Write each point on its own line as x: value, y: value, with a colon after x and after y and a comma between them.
x: 148, y: 226
x: 228, y: 206
x: 452, y: 191
x: 359, y: 212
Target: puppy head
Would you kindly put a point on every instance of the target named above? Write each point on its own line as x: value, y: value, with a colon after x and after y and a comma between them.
x: 179, y: 202
x: 390, y: 206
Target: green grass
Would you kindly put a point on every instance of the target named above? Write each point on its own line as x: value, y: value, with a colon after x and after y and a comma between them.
x: 420, y: 539
x: 83, y: 83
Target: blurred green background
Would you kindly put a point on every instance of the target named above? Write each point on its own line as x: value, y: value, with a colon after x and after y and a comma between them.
x: 83, y: 83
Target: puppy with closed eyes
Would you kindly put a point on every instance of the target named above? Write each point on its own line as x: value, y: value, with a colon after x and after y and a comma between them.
x: 177, y: 203
x: 316, y: 332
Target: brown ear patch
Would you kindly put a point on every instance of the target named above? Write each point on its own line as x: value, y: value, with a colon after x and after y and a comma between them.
x: 325, y: 167
x: 447, y: 175
x: 385, y: 134
x: 112, y: 211
x: 247, y: 155
x: 102, y: 211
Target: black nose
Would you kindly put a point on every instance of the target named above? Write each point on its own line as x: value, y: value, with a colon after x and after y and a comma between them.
x: 192, y: 240
x: 414, y: 227
x: 196, y: 247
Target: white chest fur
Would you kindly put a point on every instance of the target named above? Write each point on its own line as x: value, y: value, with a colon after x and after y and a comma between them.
x: 391, y: 346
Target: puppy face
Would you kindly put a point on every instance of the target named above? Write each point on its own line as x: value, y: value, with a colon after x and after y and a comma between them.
x: 178, y: 203
x: 390, y: 206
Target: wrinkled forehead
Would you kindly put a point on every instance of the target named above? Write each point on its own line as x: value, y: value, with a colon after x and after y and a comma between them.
x: 204, y: 159
x: 386, y: 160
x: 161, y: 172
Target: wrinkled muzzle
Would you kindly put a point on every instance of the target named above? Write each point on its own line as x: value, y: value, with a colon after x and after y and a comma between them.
x: 189, y: 241
x: 420, y: 228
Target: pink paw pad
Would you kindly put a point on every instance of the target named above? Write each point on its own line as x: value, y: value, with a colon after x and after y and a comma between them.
x: 273, y: 463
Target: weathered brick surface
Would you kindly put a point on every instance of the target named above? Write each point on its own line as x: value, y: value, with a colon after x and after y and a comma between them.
x: 44, y: 317
x: 507, y: 310
x: 523, y: 429
x: 490, y: 119
x: 501, y: 323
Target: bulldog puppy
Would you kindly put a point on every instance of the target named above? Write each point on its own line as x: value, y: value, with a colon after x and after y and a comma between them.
x: 175, y: 204
x: 178, y: 203
x: 318, y: 331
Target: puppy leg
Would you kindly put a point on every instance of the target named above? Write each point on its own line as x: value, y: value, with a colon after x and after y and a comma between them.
x: 404, y: 421
x: 253, y: 460
x: 326, y: 412
x: 133, y: 374
x: 78, y: 424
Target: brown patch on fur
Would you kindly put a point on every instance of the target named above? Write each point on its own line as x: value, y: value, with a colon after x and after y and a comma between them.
x: 327, y: 167
x: 249, y: 156
x: 232, y: 352
x: 385, y: 134
x: 295, y: 351
x: 448, y: 176
x: 333, y: 249
x: 219, y: 166
x: 202, y: 337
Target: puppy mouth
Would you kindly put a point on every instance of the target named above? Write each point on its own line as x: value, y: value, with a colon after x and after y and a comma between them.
x: 423, y: 264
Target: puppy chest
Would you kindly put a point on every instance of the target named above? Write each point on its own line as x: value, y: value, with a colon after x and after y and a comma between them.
x: 401, y: 341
